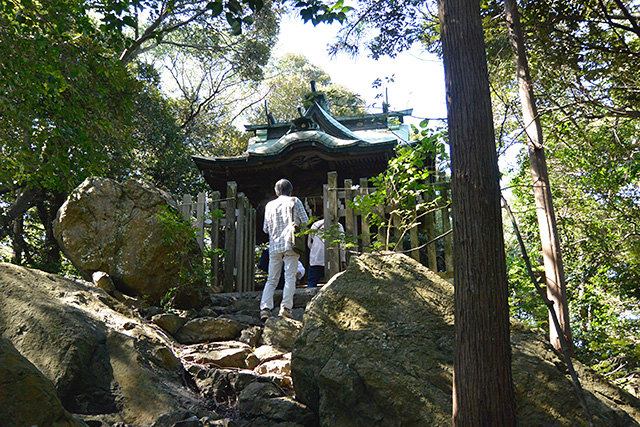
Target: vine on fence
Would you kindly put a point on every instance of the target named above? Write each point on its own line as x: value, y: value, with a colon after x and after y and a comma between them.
x: 405, y: 186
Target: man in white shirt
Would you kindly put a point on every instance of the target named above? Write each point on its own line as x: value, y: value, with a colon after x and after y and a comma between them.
x: 316, y: 254
x: 279, y: 218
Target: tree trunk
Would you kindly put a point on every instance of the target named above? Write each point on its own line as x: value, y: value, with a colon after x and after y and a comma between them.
x: 51, y: 250
x: 24, y: 199
x: 553, y: 267
x: 18, y: 243
x: 483, y: 387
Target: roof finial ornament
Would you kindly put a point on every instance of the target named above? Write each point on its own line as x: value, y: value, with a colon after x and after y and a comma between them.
x: 317, y: 97
x: 270, y: 118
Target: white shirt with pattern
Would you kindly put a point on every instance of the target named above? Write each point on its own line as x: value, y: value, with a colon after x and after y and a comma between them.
x: 316, y: 244
x: 278, y: 223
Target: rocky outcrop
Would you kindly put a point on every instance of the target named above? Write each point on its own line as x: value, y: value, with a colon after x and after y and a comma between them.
x: 114, y: 228
x: 100, y: 358
x: 92, y: 356
x: 27, y: 397
x: 377, y: 349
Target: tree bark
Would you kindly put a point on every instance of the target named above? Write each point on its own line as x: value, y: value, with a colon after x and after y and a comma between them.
x: 18, y: 243
x: 24, y: 199
x: 483, y: 387
x: 47, y: 213
x: 553, y: 266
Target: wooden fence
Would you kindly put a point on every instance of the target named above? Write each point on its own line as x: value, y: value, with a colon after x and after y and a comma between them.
x: 434, y: 251
x: 226, y: 229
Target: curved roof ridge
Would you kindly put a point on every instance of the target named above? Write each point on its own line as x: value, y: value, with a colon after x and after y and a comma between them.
x: 328, y: 123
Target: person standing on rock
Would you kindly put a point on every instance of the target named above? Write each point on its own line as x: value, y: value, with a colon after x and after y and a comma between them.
x: 279, y: 218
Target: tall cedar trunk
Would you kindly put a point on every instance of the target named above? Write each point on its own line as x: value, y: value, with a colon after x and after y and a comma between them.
x: 483, y: 387
x: 553, y: 267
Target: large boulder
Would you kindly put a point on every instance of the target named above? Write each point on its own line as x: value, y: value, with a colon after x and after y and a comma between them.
x: 106, y: 226
x: 377, y: 349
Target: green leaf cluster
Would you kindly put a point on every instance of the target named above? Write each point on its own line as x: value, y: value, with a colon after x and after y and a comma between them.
x: 287, y: 85
x: 406, y: 190
x: 318, y: 11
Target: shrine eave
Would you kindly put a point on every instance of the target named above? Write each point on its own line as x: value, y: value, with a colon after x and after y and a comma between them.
x: 303, y: 160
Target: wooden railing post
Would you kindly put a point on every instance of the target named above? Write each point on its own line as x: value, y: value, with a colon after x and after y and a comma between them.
x: 415, y: 241
x: 214, y: 235
x: 394, y: 222
x: 350, y: 228
x: 252, y: 247
x: 332, y: 259
x: 431, y: 234
x: 240, y: 243
x: 201, y: 201
x: 230, y: 237
x: 366, y: 232
x: 185, y: 207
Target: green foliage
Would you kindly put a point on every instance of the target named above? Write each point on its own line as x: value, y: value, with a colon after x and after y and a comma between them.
x: 162, y: 154
x: 72, y: 109
x: 595, y: 185
x: 317, y: 11
x: 380, y: 27
x: 65, y: 105
x: 407, y: 185
x: 66, y: 108
x: 287, y: 86
x: 194, y: 275
x: 213, y: 76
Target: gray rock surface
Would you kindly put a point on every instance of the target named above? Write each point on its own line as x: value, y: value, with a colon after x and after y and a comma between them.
x: 377, y: 349
x: 27, y: 397
x: 232, y: 354
x: 266, y: 401
x: 98, y: 356
x: 207, y: 329
x: 115, y: 228
x: 281, y: 332
x: 171, y: 323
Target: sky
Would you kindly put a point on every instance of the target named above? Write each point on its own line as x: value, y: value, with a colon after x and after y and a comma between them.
x: 418, y: 76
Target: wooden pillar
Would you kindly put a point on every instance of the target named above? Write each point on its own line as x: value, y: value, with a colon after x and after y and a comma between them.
x: 350, y: 216
x: 332, y: 252
x: 230, y: 237
x: 185, y: 207
x: 214, y: 234
x: 201, y: 201
x: 252, y: 248
x: 247, y: 246
x: 383, y: 230
x: 240, y: 243
x: 366, y: 232
x: 431, y: 234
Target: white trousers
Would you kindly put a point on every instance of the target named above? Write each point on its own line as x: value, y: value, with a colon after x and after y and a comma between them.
x: 290, y: 260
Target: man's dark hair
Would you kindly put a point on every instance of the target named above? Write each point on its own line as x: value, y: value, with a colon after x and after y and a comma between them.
x: 284, y: 187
